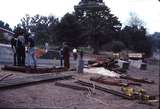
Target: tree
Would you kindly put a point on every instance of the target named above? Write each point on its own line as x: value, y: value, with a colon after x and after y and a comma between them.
x: 134, y: 20
x: 134, y: 36
x: 69, y: 30
x: 117, y: 46
x: 156, y: 40
x: 136, y: 39
x: 100, y: 25
x: 40, y: 25
x: 26, y: 22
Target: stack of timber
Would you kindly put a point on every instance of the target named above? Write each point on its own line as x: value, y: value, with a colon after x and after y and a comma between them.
x: 127, y: 94
x: 98, y: 87
x: 141, y: 80
x: 110, y: 64
x: 5, y: 76
x: 112, y: 81
x: 107, y: 63
x: 32, y: 69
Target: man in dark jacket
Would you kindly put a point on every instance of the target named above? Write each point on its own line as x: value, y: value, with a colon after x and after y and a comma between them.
x: 66, y: 56
x: 20, y: 45
x: 13, y: 45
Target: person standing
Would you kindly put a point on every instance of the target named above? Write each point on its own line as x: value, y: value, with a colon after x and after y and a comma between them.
x: 66, y: 56
x: 31, y: 51
x: 75, y: 54
x: 46, y: 47
x: 20, y: 45
x: 80, y: 64
x: 61, y: 56
x: 13, y: 45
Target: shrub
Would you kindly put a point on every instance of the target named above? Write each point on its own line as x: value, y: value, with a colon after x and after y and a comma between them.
x: 117, y: 46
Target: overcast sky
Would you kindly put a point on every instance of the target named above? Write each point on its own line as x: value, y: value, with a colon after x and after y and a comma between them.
x: 11, y: 11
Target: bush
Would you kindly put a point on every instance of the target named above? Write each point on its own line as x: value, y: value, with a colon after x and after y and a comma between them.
x: 117, y: 46
x: 144, y: 46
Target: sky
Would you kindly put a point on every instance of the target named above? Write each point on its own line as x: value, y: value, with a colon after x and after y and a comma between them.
x: 11, y: 11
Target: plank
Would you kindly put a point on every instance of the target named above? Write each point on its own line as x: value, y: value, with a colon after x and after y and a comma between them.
x: 32, y: 79
x: 108, y: 81
x: 5, y: 76
x: 141, y: 80
x: 88, y: 84
x: 38, y: 69
x: 71, y: 86
x: 113, y: 82
x: 14, y: 68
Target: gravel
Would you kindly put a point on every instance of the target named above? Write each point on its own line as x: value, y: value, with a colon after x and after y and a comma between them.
x: 47, y: 95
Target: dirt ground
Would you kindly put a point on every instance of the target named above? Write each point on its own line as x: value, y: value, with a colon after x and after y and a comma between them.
x: 47, y: 95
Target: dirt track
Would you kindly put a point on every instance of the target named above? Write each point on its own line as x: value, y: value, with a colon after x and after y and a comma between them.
x: 47, y: 95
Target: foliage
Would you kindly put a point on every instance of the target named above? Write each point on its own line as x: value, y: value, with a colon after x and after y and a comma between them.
x: 117, y: 46
x: 134, y: 36
x: 156, y: 40
x: 135, y: 21
x: 136, y: 39
x: 94, y: 27
x: 69, y: 30
x: 41, y: 26
x: 100, y: 26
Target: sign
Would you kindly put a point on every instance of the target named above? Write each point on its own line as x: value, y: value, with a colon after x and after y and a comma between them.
x: 135, y: 55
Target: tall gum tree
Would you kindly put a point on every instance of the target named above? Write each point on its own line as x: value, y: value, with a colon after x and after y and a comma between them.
x: 101, y: 26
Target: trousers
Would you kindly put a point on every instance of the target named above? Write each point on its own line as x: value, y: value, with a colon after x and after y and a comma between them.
x: 31, y: 57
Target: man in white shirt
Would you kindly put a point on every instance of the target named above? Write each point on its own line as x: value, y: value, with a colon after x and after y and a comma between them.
x: 75, y: 54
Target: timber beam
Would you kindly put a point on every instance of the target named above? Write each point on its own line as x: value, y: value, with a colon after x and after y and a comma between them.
x: 32, y: 70
x: 98, y: 87
x: 71, y: 86
x: 113, y: 82
x: 141, y: 80
x: 108, y: 82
